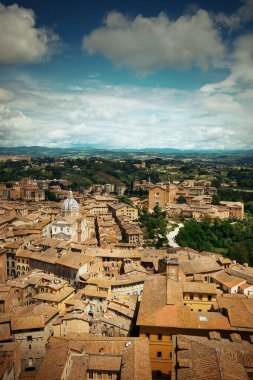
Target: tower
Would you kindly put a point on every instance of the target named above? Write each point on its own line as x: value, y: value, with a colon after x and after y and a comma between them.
x: 70, y: 206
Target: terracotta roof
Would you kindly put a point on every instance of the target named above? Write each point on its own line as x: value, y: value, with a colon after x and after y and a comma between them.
x: 5, y: 332
x: 232, y: 281
x: 200, y: 265
x: 128, y: 355
x: 162, y: 306
x: 27, y: 322
x: 72, y: 260
x: 91, y: 291
x: 49, y: 256
x: 201, y: 361
x: 55, y: 297
x: 196, y: 287
x: 245, y: 286
x: 105, y: 362
x: 239, y: 310
x: 32, y: 315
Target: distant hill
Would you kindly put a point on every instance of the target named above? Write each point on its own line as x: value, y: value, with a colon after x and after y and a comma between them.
x: 35, y: 151
x: 40, y: 151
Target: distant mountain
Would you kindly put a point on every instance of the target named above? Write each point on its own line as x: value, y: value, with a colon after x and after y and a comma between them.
x: 35, y: 151
x: 40, y: 151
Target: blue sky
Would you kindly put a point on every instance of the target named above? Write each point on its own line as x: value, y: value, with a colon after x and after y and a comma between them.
x: 127, y: 74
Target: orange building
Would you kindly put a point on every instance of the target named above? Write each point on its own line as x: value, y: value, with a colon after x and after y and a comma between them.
x: 161, y: 194
x: 165, y: 310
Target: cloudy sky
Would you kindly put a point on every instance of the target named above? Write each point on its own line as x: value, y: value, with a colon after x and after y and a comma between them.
x: 127, y: 74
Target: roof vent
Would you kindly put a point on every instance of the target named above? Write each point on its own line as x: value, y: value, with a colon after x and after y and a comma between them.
x: 214, y: 335
x: 235, y: 338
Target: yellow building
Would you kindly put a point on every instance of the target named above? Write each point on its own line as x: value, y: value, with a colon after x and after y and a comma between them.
x: 54, y: 292
x: 236, y: 209
x: 199, y: 296
x: 170, y: 308
x: 74, y: 321
x: 120, y: 209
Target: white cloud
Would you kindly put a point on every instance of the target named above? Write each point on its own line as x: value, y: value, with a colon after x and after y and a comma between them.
x: 20, y: 40
x: 146, y: 44
x: 241, y: 72
x: 127, y: 116
x: 5, y: 96
x: 243, y: 15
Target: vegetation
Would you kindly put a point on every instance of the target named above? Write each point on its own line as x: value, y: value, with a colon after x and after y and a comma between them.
x: 238, y: 196
x: 50, y: 196
x: 235, y: 240
x: 125, y: 199
x: 154, y: 224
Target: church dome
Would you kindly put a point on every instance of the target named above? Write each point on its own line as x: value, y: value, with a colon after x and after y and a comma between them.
x: 70, y: 205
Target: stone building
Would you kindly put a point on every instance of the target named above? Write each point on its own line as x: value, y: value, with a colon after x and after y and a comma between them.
x: 161, y: 194
x: 10, y: 363
x: 95, y: 357
x: 70, y: 225
x: 31, y: 326
x: 120, y: 209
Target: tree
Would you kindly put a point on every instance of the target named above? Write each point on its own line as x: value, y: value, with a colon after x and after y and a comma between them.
x: 50, y: 196
x: 181, y: 199
x: 239, y: 252
x: 216, y: 199
x: 125, y: 199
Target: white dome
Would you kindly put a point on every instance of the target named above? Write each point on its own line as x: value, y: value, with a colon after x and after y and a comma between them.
x: 70, y: 204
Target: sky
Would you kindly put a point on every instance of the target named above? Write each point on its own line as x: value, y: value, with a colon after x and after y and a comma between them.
x: 127, y: 74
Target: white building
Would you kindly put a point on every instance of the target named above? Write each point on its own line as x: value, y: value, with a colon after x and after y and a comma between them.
x: 70, y: 225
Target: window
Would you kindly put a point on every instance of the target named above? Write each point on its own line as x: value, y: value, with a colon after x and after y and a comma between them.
x: 158, y: 354
x: 148, y: 335
x: 109, y: 376
x: 91, y: 375
x: 99, y: 375
x: 158, y: 373
x: 200, y: 297
x: 209, y: 297
x: 191, y: 296
x: 29, y: 338
x: 159, y: 337
x: 30, y: 346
